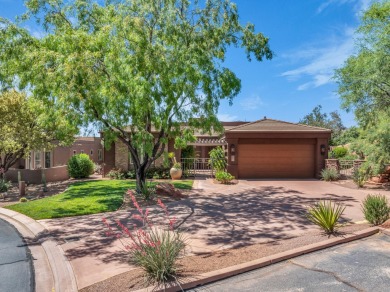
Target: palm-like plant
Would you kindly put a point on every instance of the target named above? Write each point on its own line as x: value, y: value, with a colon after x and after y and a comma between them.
x: 326, y: 215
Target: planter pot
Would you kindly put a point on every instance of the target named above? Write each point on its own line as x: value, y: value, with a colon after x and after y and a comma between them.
x: 175, y: 173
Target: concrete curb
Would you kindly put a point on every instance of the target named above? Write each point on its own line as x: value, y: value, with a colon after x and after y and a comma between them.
x: 53, y: 271
x: 262, y: 262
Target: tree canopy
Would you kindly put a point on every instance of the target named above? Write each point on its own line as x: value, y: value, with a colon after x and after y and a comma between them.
x: 25, y: 125
x: 140, y: 68
x: 319, y: 119
x: 364, y: 84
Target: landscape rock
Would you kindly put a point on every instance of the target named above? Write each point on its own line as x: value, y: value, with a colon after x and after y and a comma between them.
x: 167, y: 189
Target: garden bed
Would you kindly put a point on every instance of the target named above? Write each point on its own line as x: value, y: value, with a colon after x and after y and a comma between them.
x: 198, y: 264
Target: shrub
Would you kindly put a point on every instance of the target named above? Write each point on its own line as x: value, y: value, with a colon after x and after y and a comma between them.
x: 97, y: 168
x: 223, y: 177
x: 131, y: 174
x: 116, y: 173
x: 158, y: 172
x: 4, y: 185
x: 376, y: 209
x: 339, y: 152
x: 217, y: 159
x: 350, y: 157
x: 326, y: 215
x: 80, y: 166
x: 23, y: 200
x: 361, y: 175
x: 154, y: 249
x: 329, y: 174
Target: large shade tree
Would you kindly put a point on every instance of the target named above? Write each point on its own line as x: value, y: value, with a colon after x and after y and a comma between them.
x: 364, y: 84
x: 25, y: 125
x: 139, y: 68
x: 332, y: 121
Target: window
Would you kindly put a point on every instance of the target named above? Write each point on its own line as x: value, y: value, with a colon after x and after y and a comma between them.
x: 74, y: 152
x: 100, y: 154
x: 37, y: 160
x: 47, y: 159
x: 91, y: 152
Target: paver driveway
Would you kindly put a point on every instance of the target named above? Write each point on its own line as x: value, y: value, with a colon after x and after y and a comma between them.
x: 215, y: 217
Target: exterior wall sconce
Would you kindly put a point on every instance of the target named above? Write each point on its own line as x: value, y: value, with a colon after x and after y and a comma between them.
x: 323, y: 149
x: 232, y: 153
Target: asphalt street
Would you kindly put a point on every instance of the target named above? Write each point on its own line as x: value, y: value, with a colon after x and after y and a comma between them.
x: 16, y: 269
x: 362, y: 265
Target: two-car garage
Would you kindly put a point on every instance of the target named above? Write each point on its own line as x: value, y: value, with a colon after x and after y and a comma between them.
x: 275, y: 149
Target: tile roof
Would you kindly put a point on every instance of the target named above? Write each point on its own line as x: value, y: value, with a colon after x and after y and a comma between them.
x: 270, y: 125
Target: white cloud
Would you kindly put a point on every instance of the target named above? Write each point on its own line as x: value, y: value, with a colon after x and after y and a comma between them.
x: 227, y: 117
x: 358, y: 5
x: 326, y: 4
x: 321, y: 61
x: 251, y: 103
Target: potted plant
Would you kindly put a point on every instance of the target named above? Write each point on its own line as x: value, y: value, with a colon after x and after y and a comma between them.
x: 176, y: 171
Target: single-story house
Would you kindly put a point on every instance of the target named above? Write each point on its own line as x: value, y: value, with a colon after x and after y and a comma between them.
x: 265, y: 148
x: 53, y: 162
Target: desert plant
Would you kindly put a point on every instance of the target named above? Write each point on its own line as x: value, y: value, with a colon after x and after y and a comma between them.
x: 326, y: 215
x: 148, y: 192
x: 376, y: 209
x: 176, y: 165
x: 131, y: 174
x: 361, y: 175
x: 154, y: 248
x: 329, y: 174
x: 339, y: 152
x: 23, y: 200
x: 223, y: 177
x: 4, y: 185
x: 217, y: 159
x: 97, y: 168
x: 80, y: 166
x: 159, y: 172
x: 116, y: 173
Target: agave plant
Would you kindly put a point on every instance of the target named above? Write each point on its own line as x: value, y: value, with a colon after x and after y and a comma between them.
x: 326, y: 215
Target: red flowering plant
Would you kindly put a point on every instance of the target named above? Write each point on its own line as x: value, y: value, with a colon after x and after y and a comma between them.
x: 154, y: 248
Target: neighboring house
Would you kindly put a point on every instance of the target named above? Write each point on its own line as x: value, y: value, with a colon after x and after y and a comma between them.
x: 53, y: 162
x: 262, y: 149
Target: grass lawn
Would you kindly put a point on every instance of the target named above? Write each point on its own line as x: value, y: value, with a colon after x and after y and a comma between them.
x: 82, y: 198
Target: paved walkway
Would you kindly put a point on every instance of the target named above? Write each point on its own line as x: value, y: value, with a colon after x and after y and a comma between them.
x: 16, y: 268
x: 214, y: 217
x: 357, y: 266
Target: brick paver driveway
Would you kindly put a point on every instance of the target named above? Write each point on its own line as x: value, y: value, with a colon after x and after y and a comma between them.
x: 214, y: 217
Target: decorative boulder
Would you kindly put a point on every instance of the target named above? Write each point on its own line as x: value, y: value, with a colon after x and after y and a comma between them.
x: 167, y: 189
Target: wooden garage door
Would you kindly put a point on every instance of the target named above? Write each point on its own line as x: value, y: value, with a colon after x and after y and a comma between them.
x: 276, y: 161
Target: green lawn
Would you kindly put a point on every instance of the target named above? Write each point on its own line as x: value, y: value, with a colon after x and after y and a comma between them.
x: 82, y: 198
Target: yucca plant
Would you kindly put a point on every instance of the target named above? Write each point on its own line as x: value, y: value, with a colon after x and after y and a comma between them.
x: 326, y: 215
x: 376, y: 209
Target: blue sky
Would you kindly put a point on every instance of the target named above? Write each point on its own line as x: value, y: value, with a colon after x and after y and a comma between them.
x: 310, y: 38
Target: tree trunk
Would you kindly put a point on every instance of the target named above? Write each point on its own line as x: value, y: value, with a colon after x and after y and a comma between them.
x: 140, y: 178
